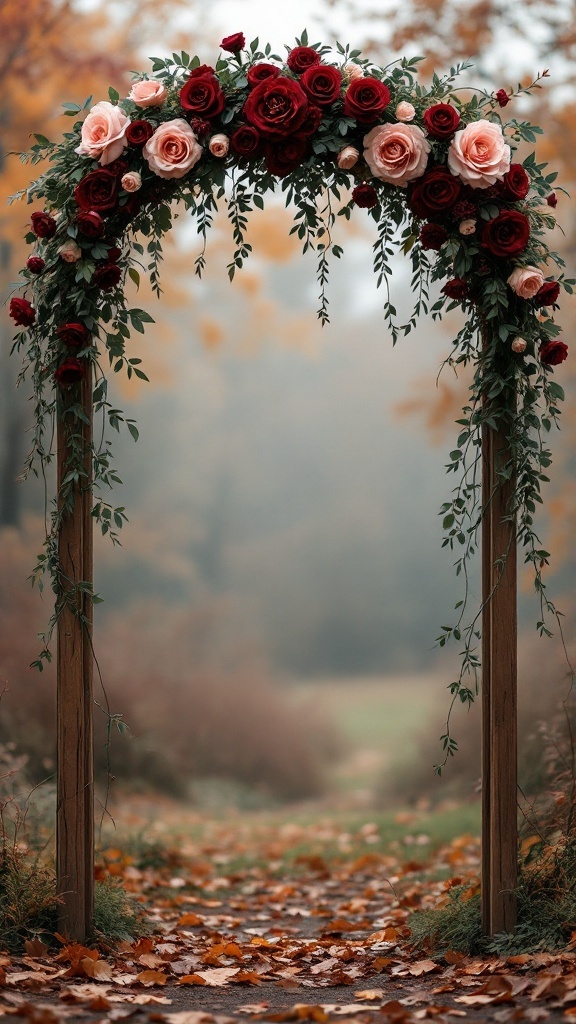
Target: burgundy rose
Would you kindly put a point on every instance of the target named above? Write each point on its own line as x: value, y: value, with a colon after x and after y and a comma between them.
x: 22, y: 312
x: 200, y: 127
x: 35, y: 264
x: 90, y: 224
x: 70, y: 372
x: 234, y: 43
x: 301, y: 58
x: 97, y: 191
x: 118, y: 167
x: 73, y: 335
x: 441, y: 120
x: 246, y: 141
x: 322, y: 84
x: 43, y: 225
x: 432, y: 236
x: 114, y: 254
x: 285, y: 155
x: 365, y: 196
x: 260, y: 72
x: 553, y: 352
x: 277, y: 107
x: 507, y: 234
x: 502, y: 97
x: 138, y: 132
x: 552, y: 199
x: 515, y: 184
x: 463, y: 208
x: 311, y: 122
x: 201, y: 94
x: 547, y: 295
x: 457, y: 288
x: 106, y: 276
x: 434, y: 193
x: 366, y: 99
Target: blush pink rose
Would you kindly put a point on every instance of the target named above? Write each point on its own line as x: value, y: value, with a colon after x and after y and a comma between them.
x: 519, y: 345
x: 104, y: 133
x: 219, y: 145
x: 352, y: 71
x: 467, y: 227
x: 405, y: 111
x: 397, y: 153
x: 70, y: 252
x: 132, y: 181
x: 173, y: 149
x: 526, y: 281
x: 148, y: 94
x: 479, y: 154
x: 347, y: 158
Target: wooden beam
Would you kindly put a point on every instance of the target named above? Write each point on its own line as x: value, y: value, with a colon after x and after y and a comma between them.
x: 75, y: 793
x: 499, y: 690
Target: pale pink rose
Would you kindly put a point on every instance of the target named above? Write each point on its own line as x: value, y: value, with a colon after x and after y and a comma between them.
x: 173, y: 149
x: 219, y: 145
x: 405, y: 111
x: 479, y: 154
x: 148, y: 94
x: 103, y: 133
x: 352, y: 71
x: 397, y: 153
x: 70, y: 252
x: 347, y: 158
x: 519, y: 345
x: 467, y: 227
x: 526, y: 281
x: 131, y: 181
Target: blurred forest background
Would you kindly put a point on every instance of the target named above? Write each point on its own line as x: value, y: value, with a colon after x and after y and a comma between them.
x: 268, y: 624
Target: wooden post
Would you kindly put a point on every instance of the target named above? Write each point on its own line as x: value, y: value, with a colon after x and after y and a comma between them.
x: 499, y: 687
x: 75, y: 795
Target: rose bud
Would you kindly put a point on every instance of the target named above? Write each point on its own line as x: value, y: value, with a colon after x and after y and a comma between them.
x: 347, y: 158
x: 405, y: 111
x: 219, y: 145
x: 70, y: 372
x: 70, y: 252
x: 43, y: 225
x: 519, y: 345
x: 467, y: 227
x: 553, y: 352
x: 457, y: 288
x: 352, y: 71
x: 552, y: 199
x: 22, y: 312
x: 35, y: 264
x: 547, y: 295
x: 148, y: 94
x: 131, y: 181
x: 502, y: 97
x: 106, y: 276
x: 234, y: 43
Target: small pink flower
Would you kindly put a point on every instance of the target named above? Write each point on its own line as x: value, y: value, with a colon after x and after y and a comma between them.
x: 352, y: 71
x: 519, y: 345
x: 347, y: 158
x: 479, y: 154
x: 467, y: 227
x: 405, y: 111
x: 173, y: 149
x: 132, y: 181
x: 526, y: 281
x: 104, y: 133
x: 397, y: 153
x: 148, y: 94
x: 70, y: 252
x: 219, y: 145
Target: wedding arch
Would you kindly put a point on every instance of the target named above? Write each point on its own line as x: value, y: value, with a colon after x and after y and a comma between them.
x: 434, y: 167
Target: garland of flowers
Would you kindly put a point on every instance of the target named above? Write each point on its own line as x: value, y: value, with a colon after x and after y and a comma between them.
x: 433, y: 167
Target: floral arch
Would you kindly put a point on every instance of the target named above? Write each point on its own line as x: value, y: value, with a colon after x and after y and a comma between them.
x: 434, y: 167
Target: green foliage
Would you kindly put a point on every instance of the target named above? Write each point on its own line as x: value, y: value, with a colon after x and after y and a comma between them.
x: 28, y: 900
x: 117, y: 915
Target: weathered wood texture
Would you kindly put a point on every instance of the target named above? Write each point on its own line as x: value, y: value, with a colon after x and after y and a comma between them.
x: 75, y: 799
x: 499, y: 690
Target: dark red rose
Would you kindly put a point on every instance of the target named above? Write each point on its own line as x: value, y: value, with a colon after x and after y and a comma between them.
x: 322, y: 84
x: 552, y: 199
x: 547, y: 295
x: 201, y: 94
x: 138, y: 132
x: 70, y: 372
x: 22, y: 312
x: 434, y: 193
x: 234, y: 43
x: 301, y: 58
x: 457, y: 288
x: 43, y: 225
x: 507, y: 234
x: 277, y: 107
x: 246, y: 141
x: 114, y: 254
x: 441, y: 120
x: 553, y: 352
x: 106, y: 276
x: 311, y: 122
x: 97, y: 191
x: 366, y: 99
x: 285, y: 156
x: 260, y: 72
x: 90, y: 224
x: 515, y: 184
x: 200, y: 126
x: 73, y: 335
x: 201, y: 71
x: 35, y: 264
x: 118, y: 167
x: 432, y: 236
x: 365, y: 196
x: 502, y: 97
